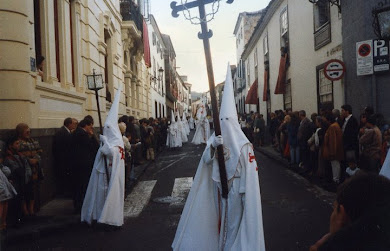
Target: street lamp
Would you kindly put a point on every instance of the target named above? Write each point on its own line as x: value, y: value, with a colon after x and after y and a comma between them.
x: 382, y: 22
x: 95, y: 83
x: 160, y: 76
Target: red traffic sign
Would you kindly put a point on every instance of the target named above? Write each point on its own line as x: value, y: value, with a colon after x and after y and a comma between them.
x: 334, y: 69
x: 364, y: 50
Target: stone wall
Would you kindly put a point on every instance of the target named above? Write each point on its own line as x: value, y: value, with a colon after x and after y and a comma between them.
x: 361, y: 91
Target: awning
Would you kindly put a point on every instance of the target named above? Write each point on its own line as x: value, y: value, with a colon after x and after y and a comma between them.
x: 252, y: 97
x: 265, y: 91
x: 281, y: 83
x: 146, y: 44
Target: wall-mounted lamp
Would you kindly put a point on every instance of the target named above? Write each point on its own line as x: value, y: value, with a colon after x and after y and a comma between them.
x: 382, y: 22
x: 160, y: 76
x: 332, y: 2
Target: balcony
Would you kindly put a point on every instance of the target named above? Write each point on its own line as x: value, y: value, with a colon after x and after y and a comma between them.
x: 131, y: 12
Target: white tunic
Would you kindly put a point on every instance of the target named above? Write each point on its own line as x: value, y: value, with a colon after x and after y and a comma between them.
x: 203, y: 225
x: 182, y: 131
x: 202, y: 133
x: 105, y: 203
x: 191, y: 123
x: 385, y: 171
x: 174, y: 138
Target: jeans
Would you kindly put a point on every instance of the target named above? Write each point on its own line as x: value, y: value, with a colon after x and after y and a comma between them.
x: 294, y: 154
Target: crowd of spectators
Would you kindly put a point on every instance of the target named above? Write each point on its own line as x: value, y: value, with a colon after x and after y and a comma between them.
x: 74, y: 147
x: 330, y: 146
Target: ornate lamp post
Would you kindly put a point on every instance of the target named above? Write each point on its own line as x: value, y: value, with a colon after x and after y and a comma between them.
x: 205, y: 35
x: 382, y: 22
x: 95, y: 83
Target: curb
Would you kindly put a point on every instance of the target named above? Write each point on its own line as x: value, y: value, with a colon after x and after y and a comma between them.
x: 275, y: 156
x: 35, y: 232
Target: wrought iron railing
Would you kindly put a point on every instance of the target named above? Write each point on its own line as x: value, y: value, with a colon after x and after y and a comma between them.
x: 131, y: 12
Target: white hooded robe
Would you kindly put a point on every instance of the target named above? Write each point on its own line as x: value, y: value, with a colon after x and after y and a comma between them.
x: 210, y: 222
x: 103, y: 202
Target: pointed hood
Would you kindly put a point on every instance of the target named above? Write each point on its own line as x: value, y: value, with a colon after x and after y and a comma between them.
x: 184, y: 117
x: 111, y: 129
x: 385, y: 171
x: 233, y: 137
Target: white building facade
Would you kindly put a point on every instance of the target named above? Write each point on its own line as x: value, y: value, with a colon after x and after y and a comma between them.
x: 284, y: 33
x: 156, y: 74
x: 243, y: 30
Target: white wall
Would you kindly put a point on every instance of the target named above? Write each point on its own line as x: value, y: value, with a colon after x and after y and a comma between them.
x: 157, y: 88
x: 303, y: 58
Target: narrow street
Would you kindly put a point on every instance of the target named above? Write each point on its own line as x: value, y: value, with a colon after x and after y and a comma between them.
x: 295, y: 213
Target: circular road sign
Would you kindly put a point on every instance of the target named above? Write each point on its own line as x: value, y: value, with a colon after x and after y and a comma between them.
x: 364, y: 50
x: 334, y: 69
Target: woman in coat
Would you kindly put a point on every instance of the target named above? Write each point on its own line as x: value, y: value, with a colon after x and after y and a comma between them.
x: 333, y: 149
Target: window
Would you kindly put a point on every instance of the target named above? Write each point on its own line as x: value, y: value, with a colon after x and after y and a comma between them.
x: 248, y: 73
x: 155, y: 109
x: 255, y: 57
x: 57, y: 40
x: 265, y: 44
x: 37, y: 29
x: 322, y: 31
x: 284, y: 22
x: 287, y: 99
x: 154, y: 38
x: 321, y: 14
x: 284, y: 35
x: 108, y: 66
x: 325, y: 88
x: 72, y: 49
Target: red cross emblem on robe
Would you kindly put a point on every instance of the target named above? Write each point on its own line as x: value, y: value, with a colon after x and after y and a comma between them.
x: 122, y: 152
x: 251, y: 158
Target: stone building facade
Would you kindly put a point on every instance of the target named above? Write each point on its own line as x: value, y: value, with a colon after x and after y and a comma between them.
x: 75, y: 37
x: 371, y: 89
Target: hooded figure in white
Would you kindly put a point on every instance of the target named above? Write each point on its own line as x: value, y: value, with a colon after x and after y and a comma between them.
x: 185, y: 124
x: 104, y: 202
x: 174, y: 136
x: 385, y: 171
x: 191, y: 123
x: 210, y: 222
x: 181, y: 129
x: 202, y: 132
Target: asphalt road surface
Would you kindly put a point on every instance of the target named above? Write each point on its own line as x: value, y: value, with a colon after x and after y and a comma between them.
x: 295, y: 213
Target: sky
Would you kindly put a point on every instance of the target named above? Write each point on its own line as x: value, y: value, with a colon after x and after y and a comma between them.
x: 189, y: 49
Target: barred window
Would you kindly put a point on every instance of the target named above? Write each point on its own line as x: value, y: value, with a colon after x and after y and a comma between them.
x: 325, y: 88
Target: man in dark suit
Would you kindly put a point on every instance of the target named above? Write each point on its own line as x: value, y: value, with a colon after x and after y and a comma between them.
x: 61, y: 150
x: 350, y: 128
x: 305, y: 131
x: 84, y: 149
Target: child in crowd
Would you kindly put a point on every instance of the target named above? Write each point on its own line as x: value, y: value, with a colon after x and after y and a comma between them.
x: 352, y: 168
